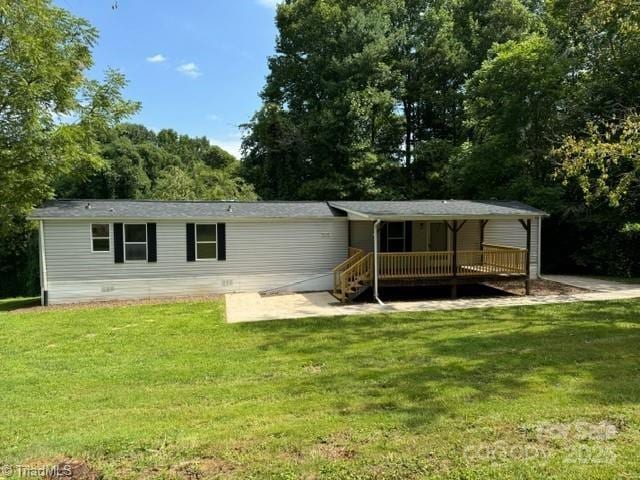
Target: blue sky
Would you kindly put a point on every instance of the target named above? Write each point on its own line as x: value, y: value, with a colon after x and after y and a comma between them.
x: 197, y: 66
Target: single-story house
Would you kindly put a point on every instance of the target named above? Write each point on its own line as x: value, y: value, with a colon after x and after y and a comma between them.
x: 124, y: 249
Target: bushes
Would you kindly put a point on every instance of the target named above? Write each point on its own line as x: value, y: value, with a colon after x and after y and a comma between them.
x: 591, y: 245
x: 19, y: 263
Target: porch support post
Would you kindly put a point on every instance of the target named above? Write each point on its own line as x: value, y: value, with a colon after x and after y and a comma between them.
x: 454, y: 287
x: 527, y: 283
x: 376, y: 226
x: 483, y: 223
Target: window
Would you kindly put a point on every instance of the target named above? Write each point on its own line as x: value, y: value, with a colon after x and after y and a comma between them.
x: 395, y: 237
x: 100, y: 238
x: 206, y: 242
x: 135, y: 242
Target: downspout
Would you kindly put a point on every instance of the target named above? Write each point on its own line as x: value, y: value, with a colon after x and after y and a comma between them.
x: 376, y: 225
x: 44, y: 283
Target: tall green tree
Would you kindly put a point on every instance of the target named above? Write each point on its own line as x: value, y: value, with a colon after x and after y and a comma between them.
x: 512, y: 106
x: 365, y: 99
x: 50, y: 113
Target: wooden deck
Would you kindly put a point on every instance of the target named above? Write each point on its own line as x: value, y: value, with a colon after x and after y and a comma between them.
x: 355, y: 274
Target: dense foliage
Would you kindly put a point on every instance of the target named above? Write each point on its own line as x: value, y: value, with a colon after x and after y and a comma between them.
x: 61, y: 135
x: 532, y: 100
x: 51, y: 114
x: 138, y: 163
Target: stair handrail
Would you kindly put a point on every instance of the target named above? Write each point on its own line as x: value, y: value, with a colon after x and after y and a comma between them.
x: 354, y: 255
x: 363, y: 265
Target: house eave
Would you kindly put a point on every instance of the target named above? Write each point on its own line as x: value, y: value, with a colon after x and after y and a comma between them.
x: 112, y: 218
x: 403, y: 218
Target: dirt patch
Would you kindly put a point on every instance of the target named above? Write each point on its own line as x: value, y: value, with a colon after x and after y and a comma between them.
x: 202, y: 468
x: 73, y: 470
x: 314, y: 368
x: 332, y: 452
x: 196, y: 469
x: 336, y: 447
x: 120, y: 303
x: 538, y: 287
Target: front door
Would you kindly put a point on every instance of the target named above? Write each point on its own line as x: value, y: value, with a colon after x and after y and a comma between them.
x: 437, y: 237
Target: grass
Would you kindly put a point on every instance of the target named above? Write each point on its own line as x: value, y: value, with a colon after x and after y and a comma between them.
x: 9, y: 304
x: 170, y: 391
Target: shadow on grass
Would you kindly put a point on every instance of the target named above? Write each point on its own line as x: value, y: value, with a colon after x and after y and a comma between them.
x: 423, y: 365
x: 9, y: 304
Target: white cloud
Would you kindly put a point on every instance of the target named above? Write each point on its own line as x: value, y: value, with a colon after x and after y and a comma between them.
x: 213, y: 117
x: 190, y: 70
x: 158, y: 58
x: 269, y: 3
x: 231, y: 145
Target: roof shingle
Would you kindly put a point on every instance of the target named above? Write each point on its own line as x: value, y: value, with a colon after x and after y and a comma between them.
x: 471, y: 208
x: 151, y: 209
x: 178, y: 210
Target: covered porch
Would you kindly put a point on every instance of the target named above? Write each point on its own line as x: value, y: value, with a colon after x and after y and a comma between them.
x: 396, y: 249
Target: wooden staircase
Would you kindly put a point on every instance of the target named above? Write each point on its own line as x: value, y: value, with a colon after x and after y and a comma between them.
x: 353, y: 276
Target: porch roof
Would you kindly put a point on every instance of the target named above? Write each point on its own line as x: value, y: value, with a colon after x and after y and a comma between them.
x: 436, y: 209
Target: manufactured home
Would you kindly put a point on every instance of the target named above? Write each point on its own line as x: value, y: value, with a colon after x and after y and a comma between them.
x: 125, y: 249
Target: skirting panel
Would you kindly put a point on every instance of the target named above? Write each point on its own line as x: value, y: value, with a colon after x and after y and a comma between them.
x: 97, y: 290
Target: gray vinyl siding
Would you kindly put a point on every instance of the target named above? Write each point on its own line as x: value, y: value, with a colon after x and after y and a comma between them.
x: 261, y: 255
x: 469, y: 236
x: 419, y: 237
x: 511, y: 233
x: 361, y: 235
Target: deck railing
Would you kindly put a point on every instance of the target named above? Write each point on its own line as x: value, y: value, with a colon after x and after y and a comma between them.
x: 415, y: 264
x: 503, y: 258
x: 492, y: 260
x: 498, y: 260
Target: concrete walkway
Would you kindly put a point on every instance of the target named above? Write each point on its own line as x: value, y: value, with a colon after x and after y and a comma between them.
x: 588, y: 283
x: 251, y: 307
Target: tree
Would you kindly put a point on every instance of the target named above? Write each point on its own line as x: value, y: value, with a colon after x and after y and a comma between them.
x: 605, y: 164
x: 328, y: 102
x: 512, y: 104
x: 50, y: 113
x: 365, y: 99
x: 138, y: 163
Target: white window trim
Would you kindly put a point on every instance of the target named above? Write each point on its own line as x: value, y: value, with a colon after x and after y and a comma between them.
x: 215, y: 259
x: 92, y: 238
x: 125, y: 243
x: 403, y: 237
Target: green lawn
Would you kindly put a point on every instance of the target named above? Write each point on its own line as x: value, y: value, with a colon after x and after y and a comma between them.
x: 170, y: 391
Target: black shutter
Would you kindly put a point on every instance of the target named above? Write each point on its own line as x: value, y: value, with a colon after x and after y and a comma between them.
x: 118, y: 245
x: 408, y: 236
x: 191, y: 242
x: 152, y: 245
x: 222, y: 241
x: 383, y: 238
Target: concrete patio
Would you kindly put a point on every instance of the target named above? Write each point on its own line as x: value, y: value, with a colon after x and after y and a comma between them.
x: 252, y: 307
